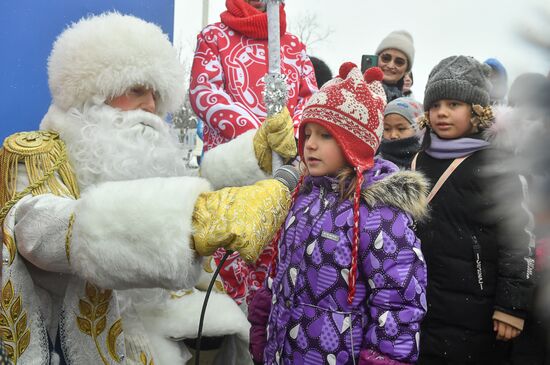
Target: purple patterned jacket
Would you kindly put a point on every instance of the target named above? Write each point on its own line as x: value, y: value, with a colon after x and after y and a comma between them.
x: 311, y: 321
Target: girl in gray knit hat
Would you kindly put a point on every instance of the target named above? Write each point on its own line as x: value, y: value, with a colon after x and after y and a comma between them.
x: 480, y: 264
x: 401, y: 140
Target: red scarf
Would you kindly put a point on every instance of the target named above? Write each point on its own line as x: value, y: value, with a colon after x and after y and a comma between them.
x: 246, y: 19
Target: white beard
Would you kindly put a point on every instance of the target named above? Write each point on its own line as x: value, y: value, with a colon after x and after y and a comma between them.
x: 106, y: 144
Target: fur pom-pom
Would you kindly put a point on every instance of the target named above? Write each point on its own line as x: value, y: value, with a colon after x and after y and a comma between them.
x: 345, y: 69
x: 373, y: 74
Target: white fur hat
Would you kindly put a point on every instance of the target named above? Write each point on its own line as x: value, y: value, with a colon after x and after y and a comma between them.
x: 400, y: 40
x: 104, y: 55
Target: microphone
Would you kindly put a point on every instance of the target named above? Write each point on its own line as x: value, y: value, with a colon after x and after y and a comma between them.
x: 288, y: 175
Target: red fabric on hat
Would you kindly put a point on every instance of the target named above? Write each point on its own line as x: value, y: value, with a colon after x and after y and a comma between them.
x: 345, y: 68
x: 373, y: 74
x: 246, y: 19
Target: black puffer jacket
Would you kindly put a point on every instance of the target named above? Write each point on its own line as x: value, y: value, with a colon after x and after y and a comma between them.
x: 478, y: 258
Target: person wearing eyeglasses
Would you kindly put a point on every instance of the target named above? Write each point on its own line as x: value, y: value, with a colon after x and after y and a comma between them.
x: 401, y: 140
x: 395, y: 58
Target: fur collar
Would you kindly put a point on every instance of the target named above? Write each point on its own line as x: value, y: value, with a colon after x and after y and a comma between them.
x: 513, y: 129
x: 406, y: 190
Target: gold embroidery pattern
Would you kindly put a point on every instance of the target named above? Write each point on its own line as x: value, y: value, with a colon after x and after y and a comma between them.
x: 242, y: 219
x: 218, y: 286
x: 207, y: 265
x: 68, y: 238
x: 112, y: 335
x: 180, y: 293
x: 93, y: 315
x: 44, y: 155
x: 275, y: 134
x: 13, y: 324
x: 9, y: 242
x: 143, y: 359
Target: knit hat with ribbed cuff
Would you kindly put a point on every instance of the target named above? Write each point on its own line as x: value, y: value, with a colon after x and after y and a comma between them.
x: 460, y: 78
x: 408, y: 108
x: 400, y: 40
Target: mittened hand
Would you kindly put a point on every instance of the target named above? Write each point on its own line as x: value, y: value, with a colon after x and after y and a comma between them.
x: 275, y: 134
x: 242, y: 219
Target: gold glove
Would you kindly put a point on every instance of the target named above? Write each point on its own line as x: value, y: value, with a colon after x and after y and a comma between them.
x: 275, y: 134
x: 242, y: 219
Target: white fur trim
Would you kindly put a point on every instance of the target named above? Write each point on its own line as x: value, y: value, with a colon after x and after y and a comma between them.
x: 406, y: 190
x: 104, y: 55
x: 233, y: 163
x: 168, y: 352
x: 54, y: 359
x: 513, y: 130
x: 133, y: 234
x: 179, y: 318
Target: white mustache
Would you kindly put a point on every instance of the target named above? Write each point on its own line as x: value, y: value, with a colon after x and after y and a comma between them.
x: 106, y: 144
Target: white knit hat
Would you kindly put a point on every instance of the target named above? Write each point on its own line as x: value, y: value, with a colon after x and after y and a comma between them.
x: 105, y: 55
x: 400, y: 40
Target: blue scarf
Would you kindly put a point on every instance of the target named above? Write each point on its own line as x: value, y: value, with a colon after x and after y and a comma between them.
x: 444, y: 149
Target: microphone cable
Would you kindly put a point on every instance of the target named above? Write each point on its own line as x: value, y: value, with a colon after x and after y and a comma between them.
x: 287, y: 175
x: 205, y: 303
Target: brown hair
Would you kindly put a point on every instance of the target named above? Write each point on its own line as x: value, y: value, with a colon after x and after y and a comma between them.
x: 347, y: 181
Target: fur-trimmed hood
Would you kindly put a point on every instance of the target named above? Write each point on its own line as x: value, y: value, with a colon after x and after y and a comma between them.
x: 386, y: 184
x: 104, y: 55
x: 407, y: 190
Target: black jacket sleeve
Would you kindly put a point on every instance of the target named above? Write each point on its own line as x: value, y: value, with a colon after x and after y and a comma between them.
x: 516, y: 243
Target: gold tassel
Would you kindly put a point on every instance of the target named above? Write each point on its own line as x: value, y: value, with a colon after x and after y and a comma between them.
x: 44, y: 157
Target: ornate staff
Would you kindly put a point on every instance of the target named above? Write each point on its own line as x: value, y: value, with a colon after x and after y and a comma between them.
x: 275, y: 98
x: 276, y: 92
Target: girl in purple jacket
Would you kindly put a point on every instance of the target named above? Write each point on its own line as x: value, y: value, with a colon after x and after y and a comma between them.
x: 349, y: 278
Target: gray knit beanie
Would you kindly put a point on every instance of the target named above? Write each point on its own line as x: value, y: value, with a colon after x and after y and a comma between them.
x: 408, y: 108
x: 400, y: 40
x: 460, y: 78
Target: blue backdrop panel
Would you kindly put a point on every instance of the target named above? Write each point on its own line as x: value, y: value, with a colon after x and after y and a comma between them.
x: 28, y: 29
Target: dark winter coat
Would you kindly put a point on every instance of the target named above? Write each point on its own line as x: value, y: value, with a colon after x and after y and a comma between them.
x: 311, y: 321
x: 400, y: 151
x: 478, y: 259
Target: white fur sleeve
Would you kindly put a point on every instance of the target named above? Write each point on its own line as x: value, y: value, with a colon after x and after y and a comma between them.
x: 232, y: 163
x: 132, y: 234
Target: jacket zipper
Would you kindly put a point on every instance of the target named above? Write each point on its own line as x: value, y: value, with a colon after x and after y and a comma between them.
x: 477, y: 258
